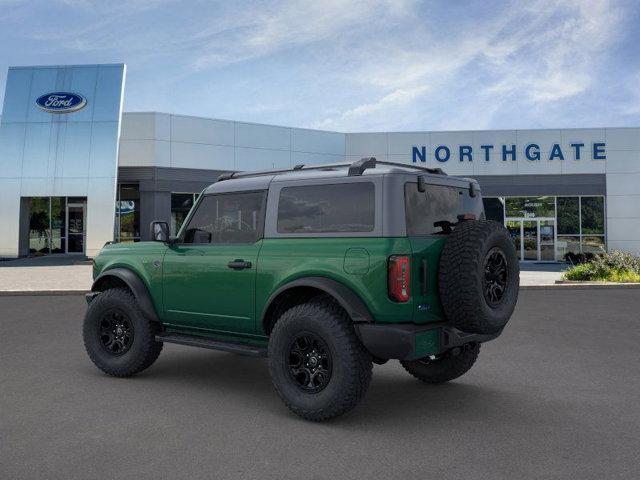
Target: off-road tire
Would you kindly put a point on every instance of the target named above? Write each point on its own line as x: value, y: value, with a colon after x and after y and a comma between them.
x: 351, y: 363
x: 143, y: 350
x: 462, y: 277
x: 445, y: 368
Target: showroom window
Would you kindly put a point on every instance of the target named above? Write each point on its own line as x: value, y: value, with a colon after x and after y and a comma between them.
x: 580, y: 220
x: 127, y: 225
x: 580, y: 225
x: 56, y: 225
x: 530, y: 207
x: 181, y: 204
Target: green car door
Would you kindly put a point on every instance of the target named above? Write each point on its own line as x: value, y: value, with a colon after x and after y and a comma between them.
x: 209, y: 274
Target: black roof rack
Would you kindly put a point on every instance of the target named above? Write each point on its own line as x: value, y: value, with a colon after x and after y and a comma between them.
x: 356, y: 168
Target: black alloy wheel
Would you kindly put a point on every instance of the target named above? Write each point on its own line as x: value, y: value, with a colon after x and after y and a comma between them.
x: 496, y: 277
x: 116, y: 333
x: 310, y: 363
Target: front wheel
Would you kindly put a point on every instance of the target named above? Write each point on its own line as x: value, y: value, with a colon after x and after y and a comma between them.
x: 448, y: 366
x: 318, y: 366
x: 118, y: 338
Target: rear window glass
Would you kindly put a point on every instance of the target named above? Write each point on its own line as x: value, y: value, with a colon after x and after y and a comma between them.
x: 346, y: 207
x: 429, y: 212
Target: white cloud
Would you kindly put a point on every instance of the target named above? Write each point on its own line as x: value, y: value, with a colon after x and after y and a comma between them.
x: 541, y: 53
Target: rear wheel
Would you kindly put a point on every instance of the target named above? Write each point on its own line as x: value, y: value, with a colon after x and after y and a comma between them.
x: 318, y: 366
x: 118, y: 338
x: 443, y: 368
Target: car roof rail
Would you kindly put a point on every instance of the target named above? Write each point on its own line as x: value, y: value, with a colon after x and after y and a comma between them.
x: 356, y: 168
x: 359, y: 166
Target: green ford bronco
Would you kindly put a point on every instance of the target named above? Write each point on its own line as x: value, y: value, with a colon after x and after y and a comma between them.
x: 324, y: 269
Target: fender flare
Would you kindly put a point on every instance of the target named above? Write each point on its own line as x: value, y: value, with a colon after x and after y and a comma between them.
x: 346, y: 297
x: 137, y: 287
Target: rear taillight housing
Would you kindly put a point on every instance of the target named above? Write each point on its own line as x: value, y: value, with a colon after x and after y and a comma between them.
x: 399, y: 280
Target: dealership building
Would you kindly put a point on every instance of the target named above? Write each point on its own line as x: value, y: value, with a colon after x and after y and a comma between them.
x: 76, y: 171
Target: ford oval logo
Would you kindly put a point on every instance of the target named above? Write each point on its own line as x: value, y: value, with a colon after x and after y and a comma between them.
x: 61, y: 102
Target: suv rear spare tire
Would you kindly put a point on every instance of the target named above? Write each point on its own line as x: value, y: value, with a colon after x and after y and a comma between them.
x: 479, y: 277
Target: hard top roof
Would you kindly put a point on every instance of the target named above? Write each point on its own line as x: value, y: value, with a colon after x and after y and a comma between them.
x: 260, y: 180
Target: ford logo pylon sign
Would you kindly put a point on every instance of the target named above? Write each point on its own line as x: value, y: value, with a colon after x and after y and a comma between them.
x: 61, y: 102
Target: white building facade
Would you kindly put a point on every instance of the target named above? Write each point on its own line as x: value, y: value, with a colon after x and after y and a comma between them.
x: 71, y: 181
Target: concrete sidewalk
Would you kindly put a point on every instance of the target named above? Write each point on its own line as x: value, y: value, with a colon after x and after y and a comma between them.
x: 45, y: 275
x: 65, y: 275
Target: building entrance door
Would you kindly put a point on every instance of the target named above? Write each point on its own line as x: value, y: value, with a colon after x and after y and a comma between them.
x: 76, y: 228
x: 535, y: 239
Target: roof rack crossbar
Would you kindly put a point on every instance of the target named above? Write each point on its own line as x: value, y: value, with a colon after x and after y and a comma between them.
x: 356, y: 168
x: 359, y: 166
x: 230, y: 175
x: 435, y: 171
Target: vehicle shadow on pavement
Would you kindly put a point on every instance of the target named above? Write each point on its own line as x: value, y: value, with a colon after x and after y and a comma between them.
x: 394, y: 397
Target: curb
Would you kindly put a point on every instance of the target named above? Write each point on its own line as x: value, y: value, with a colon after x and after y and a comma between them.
x: 581, y: 286
x: 22, y: 293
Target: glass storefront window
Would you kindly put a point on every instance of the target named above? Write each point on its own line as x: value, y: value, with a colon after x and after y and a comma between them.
x: 567, y: 244
x: 48, y: 229
x: 568, y: 216
x: 58, y: 225
x: 530, y: 207
x: 181, y: 203
x: 592, y: 212
x: 593, y: 244
x: 494, y: 209
x: 39, y: 228
x: 128, y: 214
x: 580, y: 224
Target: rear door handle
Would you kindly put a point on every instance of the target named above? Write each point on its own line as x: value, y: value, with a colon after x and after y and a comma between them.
x: 239, y: 264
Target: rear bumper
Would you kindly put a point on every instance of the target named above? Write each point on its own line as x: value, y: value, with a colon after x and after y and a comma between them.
x: 409, y: 341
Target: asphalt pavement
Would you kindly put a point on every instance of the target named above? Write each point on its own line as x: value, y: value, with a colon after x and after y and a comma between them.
x: 556, y: 396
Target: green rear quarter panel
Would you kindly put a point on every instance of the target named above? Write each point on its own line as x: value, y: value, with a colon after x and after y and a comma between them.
x: 358, y: 263
x: 138, y: 257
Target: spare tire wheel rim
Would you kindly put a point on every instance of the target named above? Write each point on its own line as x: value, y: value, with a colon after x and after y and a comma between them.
x: 496, y: 277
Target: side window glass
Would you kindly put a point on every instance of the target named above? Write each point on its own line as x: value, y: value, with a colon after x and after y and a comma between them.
x: 345, y: 207
x: 226, y: 219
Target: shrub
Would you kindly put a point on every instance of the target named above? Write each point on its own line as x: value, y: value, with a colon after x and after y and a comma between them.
x: 614, y: 266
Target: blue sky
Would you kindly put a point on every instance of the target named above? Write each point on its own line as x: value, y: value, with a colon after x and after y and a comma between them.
x: 376, y: 65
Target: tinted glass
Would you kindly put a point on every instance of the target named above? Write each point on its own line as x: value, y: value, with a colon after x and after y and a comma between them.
x: 347, y: 207
x: 228, y: 218
x: 567, y: 244
x: 128, y: 213
x: 568, y: 216
x: 593, y: 244
x: 530, y: 207
x: 592, y: 215
x: 494, y: 209
x: 39, y: 225
x: 181, y: 203
x: 433, y: 211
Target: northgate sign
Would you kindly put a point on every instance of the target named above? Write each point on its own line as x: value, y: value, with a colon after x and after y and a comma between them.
x: 531, y: 152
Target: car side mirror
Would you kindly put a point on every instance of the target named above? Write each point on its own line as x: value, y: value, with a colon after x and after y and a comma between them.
x: 159, y: 231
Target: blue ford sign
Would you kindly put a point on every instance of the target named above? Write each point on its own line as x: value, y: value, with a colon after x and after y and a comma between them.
x: 61, y: 102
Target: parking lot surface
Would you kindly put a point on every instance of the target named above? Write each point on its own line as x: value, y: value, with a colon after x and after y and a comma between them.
x: 556, y: 396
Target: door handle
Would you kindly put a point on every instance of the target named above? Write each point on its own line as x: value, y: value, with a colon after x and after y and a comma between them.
x: 239, y: 264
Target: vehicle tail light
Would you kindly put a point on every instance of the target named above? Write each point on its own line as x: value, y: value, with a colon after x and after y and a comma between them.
x: 466, y: 216
x: 399, y: 278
